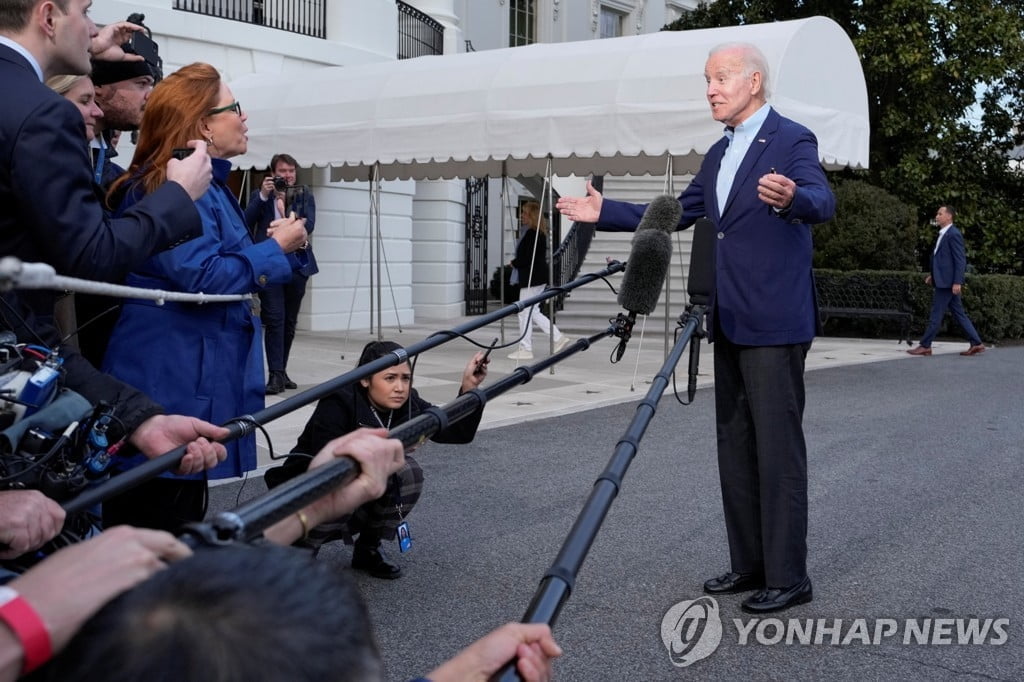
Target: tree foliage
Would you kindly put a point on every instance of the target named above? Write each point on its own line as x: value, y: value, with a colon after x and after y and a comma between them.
x: 872, y: 230
x: 945, y: 82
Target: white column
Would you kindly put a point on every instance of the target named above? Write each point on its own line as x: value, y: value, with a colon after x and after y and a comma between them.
x: 439, y: 211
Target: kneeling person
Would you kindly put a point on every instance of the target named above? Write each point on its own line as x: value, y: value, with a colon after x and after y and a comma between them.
x: 386, y: 399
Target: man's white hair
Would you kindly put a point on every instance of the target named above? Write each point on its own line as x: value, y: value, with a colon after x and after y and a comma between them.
x: 753, y: 60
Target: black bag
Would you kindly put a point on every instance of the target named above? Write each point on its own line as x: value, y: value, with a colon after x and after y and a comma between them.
x: 511, y: 290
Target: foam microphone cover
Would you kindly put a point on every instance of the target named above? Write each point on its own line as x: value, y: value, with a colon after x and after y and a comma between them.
x: 702, y: 262
x: 650, y: 256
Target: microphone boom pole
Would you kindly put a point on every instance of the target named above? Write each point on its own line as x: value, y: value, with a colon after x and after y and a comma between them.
x: 247, y: 521
x: 558, y: 581
x: 242, y: 426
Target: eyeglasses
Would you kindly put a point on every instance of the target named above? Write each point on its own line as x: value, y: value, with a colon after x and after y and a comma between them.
x: 234, y: 106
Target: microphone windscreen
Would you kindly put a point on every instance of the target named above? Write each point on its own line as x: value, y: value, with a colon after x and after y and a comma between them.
x: 702, y: 262
x: 650, y: 256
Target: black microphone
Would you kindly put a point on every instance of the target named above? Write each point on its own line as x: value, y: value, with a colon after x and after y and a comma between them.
x: 702, y: 262
x: 698, y: 286
x: 650, y: 256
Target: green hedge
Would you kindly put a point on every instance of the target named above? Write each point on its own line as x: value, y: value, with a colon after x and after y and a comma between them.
x: 995, y: 303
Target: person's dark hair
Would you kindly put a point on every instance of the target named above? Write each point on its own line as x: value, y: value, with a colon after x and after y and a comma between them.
x: 14, y: 14
x: 950, y: 210
x: 278, y: 158
x: 375, y: 350
x: 234, y: 614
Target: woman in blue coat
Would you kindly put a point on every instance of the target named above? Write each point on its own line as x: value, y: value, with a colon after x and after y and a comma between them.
x: 201, y: 360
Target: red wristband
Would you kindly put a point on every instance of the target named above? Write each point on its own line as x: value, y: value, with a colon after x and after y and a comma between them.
x: 27, y: 626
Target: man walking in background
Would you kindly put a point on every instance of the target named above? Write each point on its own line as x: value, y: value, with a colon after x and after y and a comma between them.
x: 949, y: 261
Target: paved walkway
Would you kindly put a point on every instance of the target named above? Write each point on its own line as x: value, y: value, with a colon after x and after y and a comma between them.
x: 584, y: 381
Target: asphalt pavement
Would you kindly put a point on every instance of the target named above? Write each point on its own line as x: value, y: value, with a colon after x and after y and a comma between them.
x: 915, y: 474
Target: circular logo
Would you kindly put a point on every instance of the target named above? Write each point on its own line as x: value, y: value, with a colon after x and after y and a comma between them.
x: 691, y: 631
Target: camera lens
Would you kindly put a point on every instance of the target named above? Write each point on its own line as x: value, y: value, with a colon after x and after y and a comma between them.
x: 280, y: 184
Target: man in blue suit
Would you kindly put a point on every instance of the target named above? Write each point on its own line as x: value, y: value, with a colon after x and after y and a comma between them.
x: 762, y: 187
x: 949, y: 261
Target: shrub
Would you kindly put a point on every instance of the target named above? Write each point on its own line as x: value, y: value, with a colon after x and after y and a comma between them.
x: 995, y: 304
x: 872, y: 230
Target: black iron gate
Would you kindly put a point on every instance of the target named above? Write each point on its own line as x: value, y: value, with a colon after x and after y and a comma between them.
x: 476, y: 246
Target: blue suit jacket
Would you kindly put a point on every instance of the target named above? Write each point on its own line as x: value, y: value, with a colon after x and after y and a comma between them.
x: 51, y: 211
x: 51, y: 214
x: 763, y: 292
x: 259, y: 214
x: 950, y: 260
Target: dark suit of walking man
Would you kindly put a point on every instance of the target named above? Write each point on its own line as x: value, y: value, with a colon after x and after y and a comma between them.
x: 762, y: 186
x: 949, y: 261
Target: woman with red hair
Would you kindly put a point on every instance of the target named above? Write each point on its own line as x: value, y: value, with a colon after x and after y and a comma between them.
x: 201, y: 360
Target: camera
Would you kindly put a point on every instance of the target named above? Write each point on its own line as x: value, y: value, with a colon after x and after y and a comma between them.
x: 280, y: 184
x: 142, y: 43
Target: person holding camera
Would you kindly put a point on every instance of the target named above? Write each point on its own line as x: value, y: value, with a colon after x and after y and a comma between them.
x: 280, y: 303
x: 122, y: 89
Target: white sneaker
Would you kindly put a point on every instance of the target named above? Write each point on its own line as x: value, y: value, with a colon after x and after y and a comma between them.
x: 562, y: 343
x: 521, y: 354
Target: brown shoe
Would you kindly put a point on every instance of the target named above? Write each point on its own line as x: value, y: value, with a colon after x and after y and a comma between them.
x: 975, y: 350
x: 920, y: 350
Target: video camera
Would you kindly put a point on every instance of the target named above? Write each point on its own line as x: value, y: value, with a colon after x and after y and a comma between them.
x: 28, y: 380
x: 142, y: 43
x: 50, y: 440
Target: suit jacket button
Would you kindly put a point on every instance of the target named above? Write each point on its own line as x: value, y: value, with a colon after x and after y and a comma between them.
x: 262, y: 280
x: 721, y: 235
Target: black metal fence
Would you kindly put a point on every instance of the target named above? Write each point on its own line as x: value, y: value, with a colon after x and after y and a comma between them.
x: 476, y: 246
x: 306, y: 17
x: 418, y: 33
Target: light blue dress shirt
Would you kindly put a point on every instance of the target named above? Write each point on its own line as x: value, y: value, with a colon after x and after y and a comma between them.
x: 740, y: 139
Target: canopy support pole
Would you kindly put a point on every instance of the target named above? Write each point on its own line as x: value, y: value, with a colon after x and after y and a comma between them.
x: 668, y: 280
x: 503, y: 203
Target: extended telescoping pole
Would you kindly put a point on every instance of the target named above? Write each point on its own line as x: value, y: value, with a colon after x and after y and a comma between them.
x: 241, y: 426
x: 559, y: 579
x: 246, y: 522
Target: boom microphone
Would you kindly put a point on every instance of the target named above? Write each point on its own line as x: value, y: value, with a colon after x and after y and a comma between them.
x: 650, y: 256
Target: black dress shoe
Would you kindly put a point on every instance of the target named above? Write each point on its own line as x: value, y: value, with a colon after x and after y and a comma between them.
x: 730, y: 583
x: 779, y: 598
x: 276, y: 383
x: 375, y: 562
x: 288, y: 383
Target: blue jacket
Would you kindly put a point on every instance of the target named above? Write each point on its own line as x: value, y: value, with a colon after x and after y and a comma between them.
x: 205, y: 360
x: 949, y: 261
x: 763, y: 292
x: 259, y: 214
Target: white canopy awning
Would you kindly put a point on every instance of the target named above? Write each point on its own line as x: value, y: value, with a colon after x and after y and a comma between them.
x: 616, y: 106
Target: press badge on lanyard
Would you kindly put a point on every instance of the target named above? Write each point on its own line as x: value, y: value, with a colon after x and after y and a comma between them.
x: 404, y: 537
